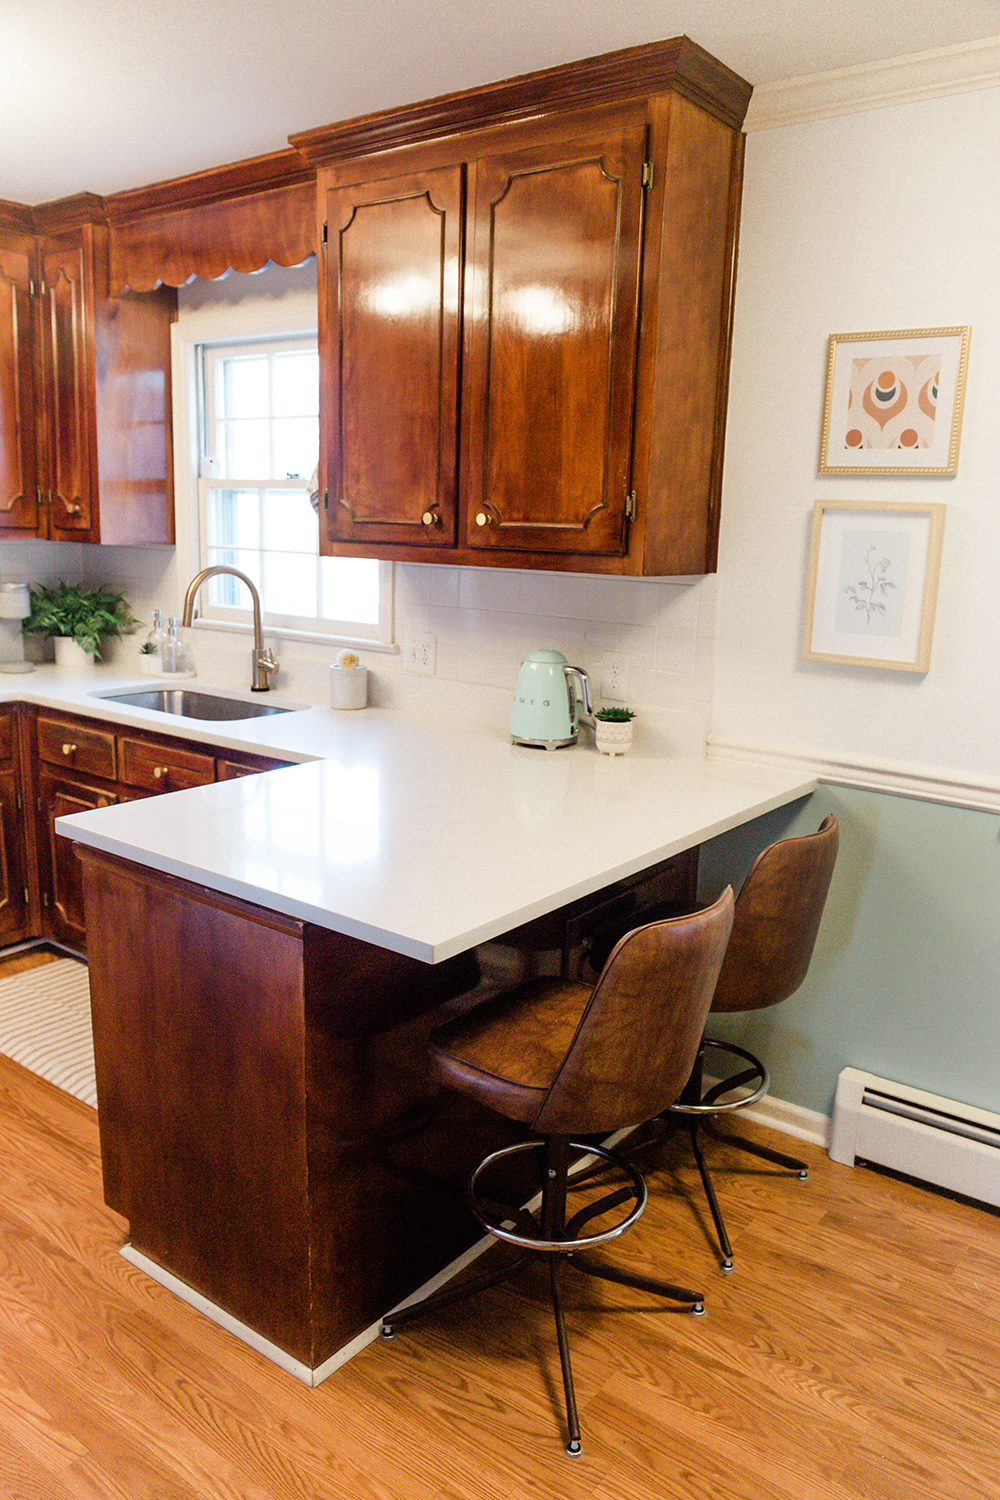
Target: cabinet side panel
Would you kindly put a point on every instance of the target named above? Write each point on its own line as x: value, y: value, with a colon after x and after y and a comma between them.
x: 685, y: 350
x: 198, y: 1039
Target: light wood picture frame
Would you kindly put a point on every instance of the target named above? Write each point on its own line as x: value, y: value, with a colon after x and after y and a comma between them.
x: 872, y: 583
x: 893, y: 401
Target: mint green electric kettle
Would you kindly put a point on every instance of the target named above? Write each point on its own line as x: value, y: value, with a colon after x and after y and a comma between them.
x: 546, y: 712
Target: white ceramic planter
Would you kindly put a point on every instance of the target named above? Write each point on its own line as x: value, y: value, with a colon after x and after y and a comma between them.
x: 69, y: 654
x: 348, y: 687
x: 613, y: 738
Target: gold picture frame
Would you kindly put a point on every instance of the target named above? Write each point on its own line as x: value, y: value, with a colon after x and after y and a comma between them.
x: 893, y: 401
x: 872, y: 584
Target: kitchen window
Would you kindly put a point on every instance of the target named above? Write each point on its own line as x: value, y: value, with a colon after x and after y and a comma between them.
x: 258, y: 446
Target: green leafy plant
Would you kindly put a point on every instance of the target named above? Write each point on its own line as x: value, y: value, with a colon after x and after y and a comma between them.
x: 84, y: 614
x: 615, y: 715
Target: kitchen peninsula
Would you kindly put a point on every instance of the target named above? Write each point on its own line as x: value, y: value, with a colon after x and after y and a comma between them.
x: 268, y: 954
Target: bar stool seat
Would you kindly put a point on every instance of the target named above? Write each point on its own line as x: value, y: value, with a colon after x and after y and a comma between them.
x: 574, y: 1061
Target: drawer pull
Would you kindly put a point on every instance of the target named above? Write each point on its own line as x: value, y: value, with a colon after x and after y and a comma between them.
x: 161, y: 772
x: 68, y: 749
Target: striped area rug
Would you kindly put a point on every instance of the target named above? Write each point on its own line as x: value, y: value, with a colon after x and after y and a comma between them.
x: 45, y: 1025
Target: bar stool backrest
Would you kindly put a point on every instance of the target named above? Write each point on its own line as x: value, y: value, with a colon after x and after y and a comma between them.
x: 778, y: 913
x: 638, y: 1037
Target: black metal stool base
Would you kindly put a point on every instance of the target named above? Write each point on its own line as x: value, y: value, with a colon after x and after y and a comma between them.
x: 561, y: 1241
x: 702, y: 1108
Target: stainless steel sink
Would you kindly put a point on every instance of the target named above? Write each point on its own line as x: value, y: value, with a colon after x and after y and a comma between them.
x: 187, y: 704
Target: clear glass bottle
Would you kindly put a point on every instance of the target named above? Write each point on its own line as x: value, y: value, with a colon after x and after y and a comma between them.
x: 171, y: 648
x: 154, y: 642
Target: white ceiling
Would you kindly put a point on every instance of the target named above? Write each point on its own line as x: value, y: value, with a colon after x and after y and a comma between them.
x: 108, y: 94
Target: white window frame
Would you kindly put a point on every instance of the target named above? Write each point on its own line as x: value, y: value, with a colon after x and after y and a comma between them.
x: 232, y: 323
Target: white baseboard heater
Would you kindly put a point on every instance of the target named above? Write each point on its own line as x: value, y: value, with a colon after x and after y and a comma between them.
x: 938, y: 1141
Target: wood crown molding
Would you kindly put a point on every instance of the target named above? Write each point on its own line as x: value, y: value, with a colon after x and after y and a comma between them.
x: 68, y: 213
x: 678, y: 65
x: 880, y: 85
x: 926, y: 783
x: 237, y: 179
x: 16, y: 217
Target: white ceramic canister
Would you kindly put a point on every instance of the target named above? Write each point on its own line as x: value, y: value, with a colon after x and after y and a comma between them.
x: 348, y: 682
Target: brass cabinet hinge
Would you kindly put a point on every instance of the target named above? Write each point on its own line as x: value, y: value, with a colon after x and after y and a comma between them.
x: 630, y: 506
x: 647, y: 175
x: 27, y: 896
x: 20, y: 802
x: 325, y: 233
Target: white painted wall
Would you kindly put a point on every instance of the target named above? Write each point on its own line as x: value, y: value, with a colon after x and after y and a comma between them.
x: 888, y: 219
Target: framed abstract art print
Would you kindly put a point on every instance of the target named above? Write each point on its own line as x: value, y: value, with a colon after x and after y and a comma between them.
x: 893, y: 402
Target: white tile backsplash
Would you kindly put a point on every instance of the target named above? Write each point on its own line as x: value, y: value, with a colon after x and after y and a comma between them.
x: 486, y: 621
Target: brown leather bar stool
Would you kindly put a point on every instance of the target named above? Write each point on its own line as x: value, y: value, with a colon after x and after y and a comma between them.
x: 570, y: 1060
x: 777, y: 918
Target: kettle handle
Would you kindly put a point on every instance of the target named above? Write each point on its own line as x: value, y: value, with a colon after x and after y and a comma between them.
x: 587, y: 716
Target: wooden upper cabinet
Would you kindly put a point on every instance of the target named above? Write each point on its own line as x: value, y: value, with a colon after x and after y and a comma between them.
x: 105, y: 441
x: 18, y: 509
x: 597, y: 259
x: 390, y: 359
x: 66, y: 355
x: 552, y: 344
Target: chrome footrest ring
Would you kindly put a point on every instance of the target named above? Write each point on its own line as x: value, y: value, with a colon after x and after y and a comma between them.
x: 567, y: 1246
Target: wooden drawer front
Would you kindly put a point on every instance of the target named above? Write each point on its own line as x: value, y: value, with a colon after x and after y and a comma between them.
x: 72, y: 746
x: 163, y: 768
x: 7, y: 723
x: 228, y: 770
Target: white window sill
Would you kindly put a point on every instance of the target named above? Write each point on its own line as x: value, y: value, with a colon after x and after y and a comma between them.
x: 283, y: 632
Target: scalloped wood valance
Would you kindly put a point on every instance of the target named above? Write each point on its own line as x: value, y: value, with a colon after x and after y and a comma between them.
x: 233, y: 218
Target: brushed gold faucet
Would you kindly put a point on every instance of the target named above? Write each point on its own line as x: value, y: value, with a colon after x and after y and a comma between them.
x: 263, y: 662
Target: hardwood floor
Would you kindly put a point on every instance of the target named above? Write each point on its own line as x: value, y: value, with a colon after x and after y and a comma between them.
x: 854, y: 1353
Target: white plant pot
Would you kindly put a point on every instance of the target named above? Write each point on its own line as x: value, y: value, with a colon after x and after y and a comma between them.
x: 348, y: 687
x: 69, y: 654
x: 611, y: 738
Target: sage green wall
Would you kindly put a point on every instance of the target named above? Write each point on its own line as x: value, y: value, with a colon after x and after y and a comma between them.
x: 905, y: 978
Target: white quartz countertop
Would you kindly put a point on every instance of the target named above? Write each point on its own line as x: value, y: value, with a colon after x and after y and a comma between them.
x: 420, y: 836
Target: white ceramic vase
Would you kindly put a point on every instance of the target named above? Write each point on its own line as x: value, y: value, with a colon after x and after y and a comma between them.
x: 348, y: 687
x: 613, y: 738
x: 69, y: 654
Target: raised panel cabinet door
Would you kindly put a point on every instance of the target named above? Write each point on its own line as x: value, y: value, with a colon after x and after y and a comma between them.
x: 391, y: 345
x: 13, y: 874
x: 551, y: 341
x: 69, y: 388
x: 18, y: 505
x: 62, y: 877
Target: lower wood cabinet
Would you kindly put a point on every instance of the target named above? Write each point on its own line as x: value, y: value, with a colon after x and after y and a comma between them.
x: 59, y: 795
x: 15, y: 894
x: 83, y: 764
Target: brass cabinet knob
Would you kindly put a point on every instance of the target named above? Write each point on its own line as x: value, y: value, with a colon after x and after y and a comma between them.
x: 431, y: 518
x: 69, y: 749
x: 161, y: 772
x: 72, y: 509
x: 483, y: 518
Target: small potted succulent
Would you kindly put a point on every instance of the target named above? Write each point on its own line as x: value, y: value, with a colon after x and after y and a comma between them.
x: 613, y: 730
x: 76, y: 617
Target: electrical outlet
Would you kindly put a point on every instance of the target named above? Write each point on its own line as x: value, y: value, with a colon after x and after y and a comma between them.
x: 421, y: 653
x: 614, y: 683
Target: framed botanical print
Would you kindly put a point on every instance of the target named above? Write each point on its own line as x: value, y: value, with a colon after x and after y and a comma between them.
x: 872, y: 584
